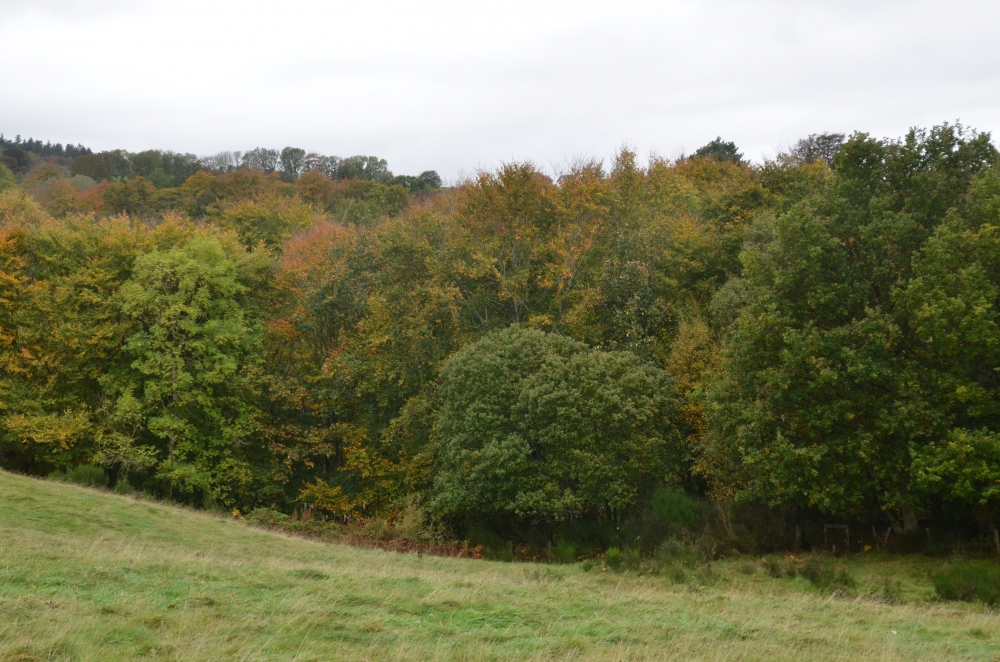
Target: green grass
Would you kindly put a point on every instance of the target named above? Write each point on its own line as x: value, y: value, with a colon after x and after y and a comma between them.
x: 89, y: 575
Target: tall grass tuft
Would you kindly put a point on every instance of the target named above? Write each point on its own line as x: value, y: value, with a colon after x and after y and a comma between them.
x: 823, y: 575
x: 613, y: 557
x: 122, y: 486
x: 969, y: 582
x: 564, y: 551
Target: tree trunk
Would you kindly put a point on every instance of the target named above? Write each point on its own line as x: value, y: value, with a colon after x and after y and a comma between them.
x: 896, y: 526
x: 797, y: 542
x: 996, y: 539
x: 910, y: 524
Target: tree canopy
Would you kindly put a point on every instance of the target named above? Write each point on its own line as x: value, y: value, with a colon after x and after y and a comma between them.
x: 536, y: 424
x: 720, y: 150
x: 816, y: 333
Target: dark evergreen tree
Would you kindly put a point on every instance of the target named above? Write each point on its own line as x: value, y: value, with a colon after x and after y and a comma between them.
x: 719, y: 150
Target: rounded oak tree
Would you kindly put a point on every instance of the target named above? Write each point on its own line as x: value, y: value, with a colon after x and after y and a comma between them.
x: 541, y: 426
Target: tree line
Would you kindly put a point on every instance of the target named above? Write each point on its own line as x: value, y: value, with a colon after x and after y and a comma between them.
x: 817, y: 333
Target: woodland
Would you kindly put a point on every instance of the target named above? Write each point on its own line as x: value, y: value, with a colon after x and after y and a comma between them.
x: 604, y: 356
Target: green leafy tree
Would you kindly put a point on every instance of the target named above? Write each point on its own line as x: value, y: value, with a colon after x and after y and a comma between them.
x: 91, y: 165
x: 194, y: 361
x: 41, y: 173
x: 537, y: 425
x: 7, y: 179
x: 818, y: 147
x: 164, y: 168
x: 719, y: 150
x: 410, y: 183
x: 134, y: 196
x: 430, y: 178
x: 119, y: 162
x: 262, y: 159
x: 822, y: 394
x: 365, y: 167
x: 18, y: 160
x: 65, y: 334
x: 293, y: 160
x: 964, y: 467
x: 951, y: 306
x: 265, y: 220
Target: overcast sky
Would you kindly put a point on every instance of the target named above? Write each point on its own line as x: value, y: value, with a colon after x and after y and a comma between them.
x: 461, y: 85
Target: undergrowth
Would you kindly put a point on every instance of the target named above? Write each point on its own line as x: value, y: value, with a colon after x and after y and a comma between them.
x: 969, y: 581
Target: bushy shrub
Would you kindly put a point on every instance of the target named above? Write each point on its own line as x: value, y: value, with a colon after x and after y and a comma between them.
x: 886, y: 590
x: 266, y: 517
x: 84, y: 474
x: 122, y: 486
x: 773, y: 567
x: 823, y: 575
x: 678, y: 573
x: 688, y: 552
x: 613, y: 557
x: 788, y: 568
x: 269, y: 518
x: 969, y: 582
x: 410, y: 523
x: 676, y: 510
x: 564, y: 551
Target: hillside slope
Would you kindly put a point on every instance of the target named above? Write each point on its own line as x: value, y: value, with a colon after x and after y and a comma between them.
x: 86, y: 575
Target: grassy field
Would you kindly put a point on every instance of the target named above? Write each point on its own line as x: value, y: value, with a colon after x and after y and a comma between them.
x: 86, y: 575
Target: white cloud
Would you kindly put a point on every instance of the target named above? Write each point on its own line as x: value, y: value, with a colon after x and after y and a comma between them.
x: 458, y: 85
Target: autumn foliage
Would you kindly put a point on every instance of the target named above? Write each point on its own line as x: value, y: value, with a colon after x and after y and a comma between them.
x: 517, y: 349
